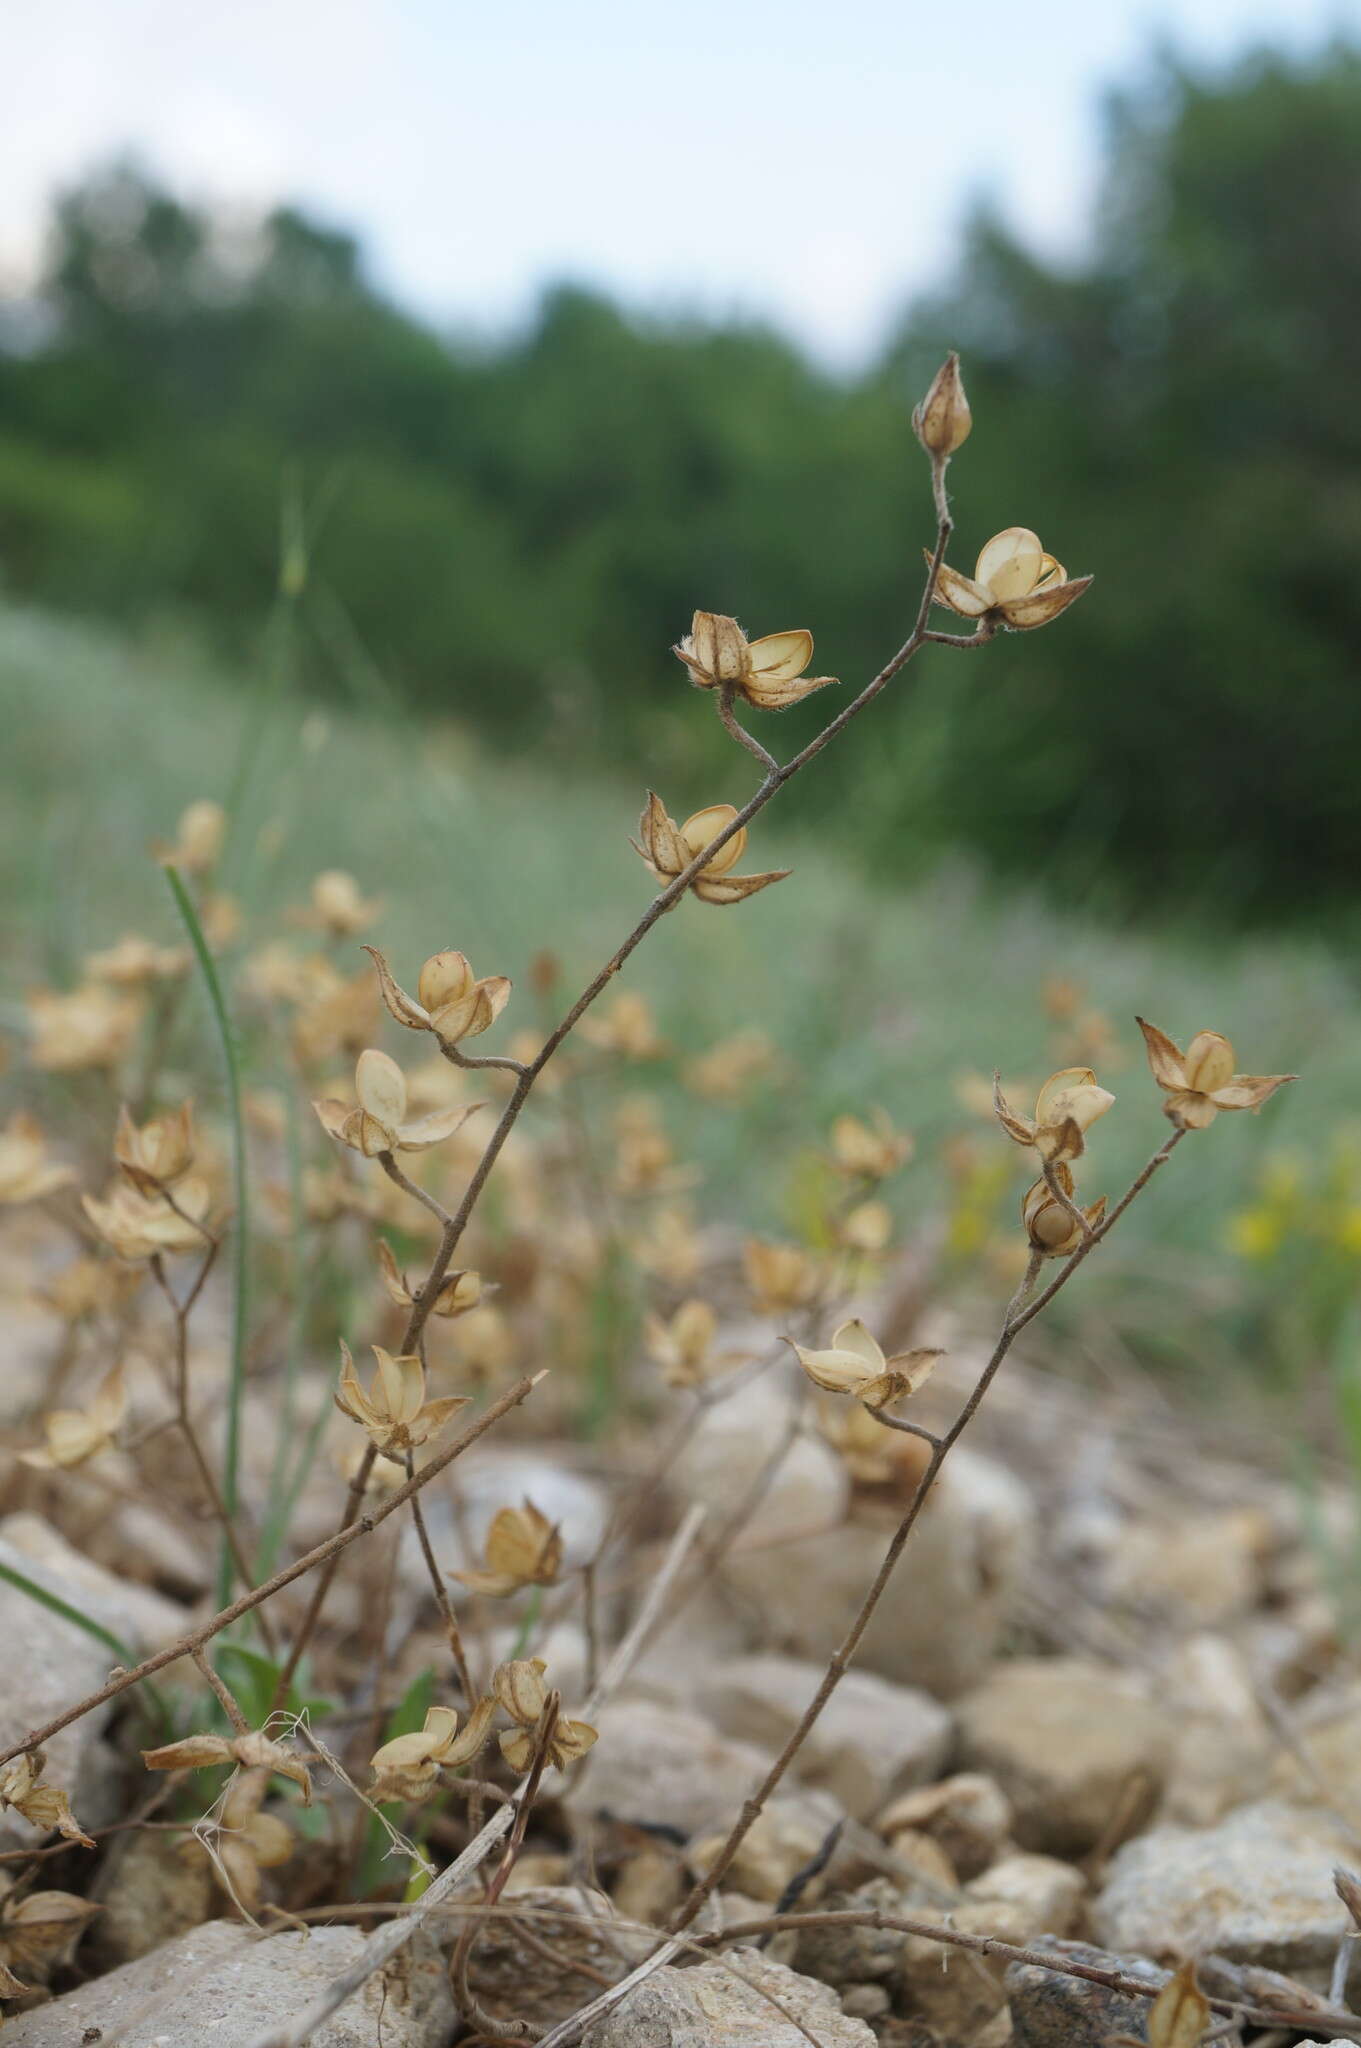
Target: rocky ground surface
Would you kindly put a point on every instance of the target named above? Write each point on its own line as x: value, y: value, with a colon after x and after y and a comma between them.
x: 1104, y: 1716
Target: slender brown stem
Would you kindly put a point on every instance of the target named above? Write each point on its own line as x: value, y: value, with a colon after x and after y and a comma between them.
x: 225, y: 1697
x: 503, y: 2029
x: 900, y: 1422
x: 180, y: 1312
x: 441, y: 1591
x: 248, y: 1602
x: 845, y: 1651
x: 727, y: 712
x: 409, y: 1187
x: 1081, y: 1222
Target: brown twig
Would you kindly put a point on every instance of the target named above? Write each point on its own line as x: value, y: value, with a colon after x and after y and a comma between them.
x: 322, y: 1554
x: 840, y: 1661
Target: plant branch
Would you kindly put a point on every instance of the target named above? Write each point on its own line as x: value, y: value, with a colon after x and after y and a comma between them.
x: 323, y: 1553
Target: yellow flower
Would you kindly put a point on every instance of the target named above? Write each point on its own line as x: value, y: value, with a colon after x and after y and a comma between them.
x: 1256, y: 1233
x: 1201, y: 1081
x: 26, y: 1172
x: 1051, y: 1230
x: 943, y: 421
x: 458, y: 1292
x: 453, y: 1003
x: 394, y: 1412
x: 1067, y: 1106
x: 1015, y: 583
x: 378, y: 1123
x: 522, y: 1548
x: 769, y: 673
x: 855, y: 1364
x: 160, y: 1153
x: 89, y: 1027
x: 669, y: 848
x: 338, y: 905
x: 408, y: 1766
x: 140, y: 1226
x: 75, y: 1435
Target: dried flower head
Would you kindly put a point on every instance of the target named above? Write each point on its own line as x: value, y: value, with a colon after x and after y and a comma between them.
x: 91, y: 1026
x: 252, y: 1751
x: 141, y: 1226
x: 769, y: 673
x: 1015, y: 583
x: 729, y: 1068
x: 780, y: 1276
x: 868, y: 1151
x: 379, y: 1122
x: 1201, y: 1081
x: 75, y: 1435
x: 336, y: 1013
x: 669, y: 848
x: 486, y: 1344
x: 394, y: 1411
x: 457, y: 1293
x: 943, y: 421
x: 452, y: 1003
x: 1065, y: 1109
x: 199, y: 838
x: 519, y: 1689
x: 867, y: 1228
x: 135, y: 961
x: 26, y: 1172
x: 522, y: 1548
x: 627, y: 1027
x: 43, y: 1806
x: 159, y: 1153
x: 248, y: 1842
x: 871, y: 1454
x: 409, y: 1765
x: 39, y: 1930
x: 339, y: 906
x: 683, y: 1346
x: 855, y: 1364
x: 89, y: 1286
x: 1051, y: 1229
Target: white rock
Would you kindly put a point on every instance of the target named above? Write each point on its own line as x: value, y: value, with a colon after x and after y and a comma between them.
x: 142, y: 1617
x: 729, y: 2005
x: 809, y: 1488
x: 871, y: 1740
x: 1257, y: 1888
x: 222, y: 1984
x: 1076, y: 1746
x: 939, y: 1623
x: 59, y: 1663
x: 1047, y: 1893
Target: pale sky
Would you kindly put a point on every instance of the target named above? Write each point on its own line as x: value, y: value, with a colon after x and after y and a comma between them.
x: 808, y: 160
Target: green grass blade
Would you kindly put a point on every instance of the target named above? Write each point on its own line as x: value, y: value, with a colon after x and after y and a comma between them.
x: 231, y: 1462
x: 56, y: 1605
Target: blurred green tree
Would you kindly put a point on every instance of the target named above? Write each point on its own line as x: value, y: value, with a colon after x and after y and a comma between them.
x: 511, y: 532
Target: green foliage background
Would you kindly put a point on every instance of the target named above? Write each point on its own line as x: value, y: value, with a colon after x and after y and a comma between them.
x: 511, y: 533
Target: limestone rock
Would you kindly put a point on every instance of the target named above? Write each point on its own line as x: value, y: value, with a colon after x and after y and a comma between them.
x: 221, y: 1983
x: 156, y: 1891
x: 729, y: 2005
x: 1079, y: 1748
x: 1046, y: 1893
x: 968, y: 1814
x: 1256, y: 1888
x: 871, y: 1739
x: 939, y: 1623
